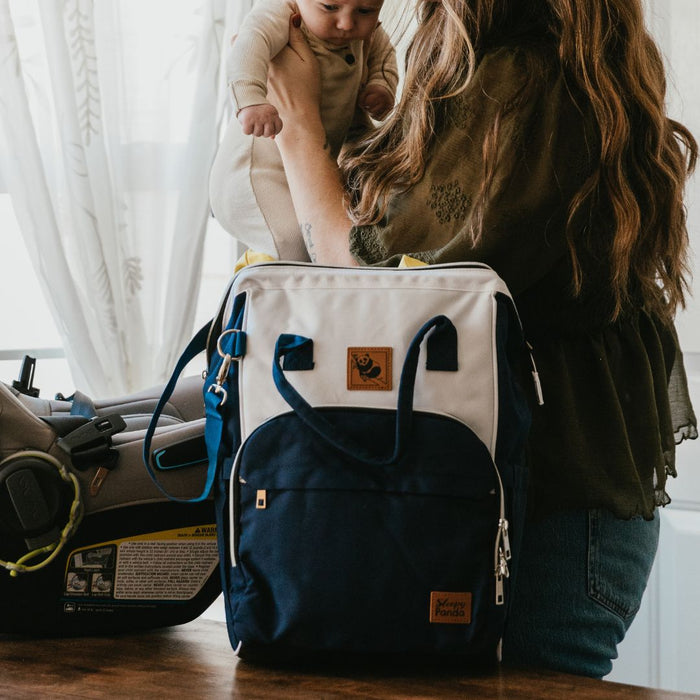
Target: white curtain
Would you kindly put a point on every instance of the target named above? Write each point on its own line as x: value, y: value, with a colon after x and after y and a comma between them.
x: 109, y: 119
x: 675, y: 25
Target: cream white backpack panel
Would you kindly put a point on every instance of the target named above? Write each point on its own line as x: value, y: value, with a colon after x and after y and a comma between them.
x: 278, y: 299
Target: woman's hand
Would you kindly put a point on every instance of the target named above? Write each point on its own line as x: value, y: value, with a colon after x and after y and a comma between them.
x: 294, y: 80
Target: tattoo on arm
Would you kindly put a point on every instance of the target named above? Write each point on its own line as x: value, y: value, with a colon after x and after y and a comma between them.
x: 308, y: 240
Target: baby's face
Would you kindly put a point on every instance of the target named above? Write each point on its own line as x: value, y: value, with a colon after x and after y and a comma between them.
x: 340, y: 21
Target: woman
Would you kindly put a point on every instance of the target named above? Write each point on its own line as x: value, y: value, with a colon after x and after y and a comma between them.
x: 531, y: 135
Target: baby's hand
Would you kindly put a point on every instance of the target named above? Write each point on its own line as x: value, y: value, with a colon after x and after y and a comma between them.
x: 376, y: 100
x: 260, y: 120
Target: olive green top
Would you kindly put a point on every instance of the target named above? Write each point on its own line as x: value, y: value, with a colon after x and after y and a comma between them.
x: 616, y: 399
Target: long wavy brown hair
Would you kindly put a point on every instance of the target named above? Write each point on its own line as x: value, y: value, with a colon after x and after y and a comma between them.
x: 615, y: 71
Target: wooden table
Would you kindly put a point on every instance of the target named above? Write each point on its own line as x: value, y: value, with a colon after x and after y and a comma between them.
x: 196, y: 661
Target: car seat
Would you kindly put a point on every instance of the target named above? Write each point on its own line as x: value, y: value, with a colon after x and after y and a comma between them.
x: 88, y: 543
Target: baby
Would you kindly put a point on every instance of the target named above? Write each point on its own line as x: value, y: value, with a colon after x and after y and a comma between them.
x: 248, y: 189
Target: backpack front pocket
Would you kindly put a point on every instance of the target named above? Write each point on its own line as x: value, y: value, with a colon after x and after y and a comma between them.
x: 332, y: 553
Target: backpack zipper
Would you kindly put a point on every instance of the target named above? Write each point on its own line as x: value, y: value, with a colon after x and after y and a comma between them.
x: 502, y: 553
x: 233, y: 510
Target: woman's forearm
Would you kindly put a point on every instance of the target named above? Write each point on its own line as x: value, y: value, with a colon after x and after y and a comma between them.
x: 317, y: 191
x: 313, y: 177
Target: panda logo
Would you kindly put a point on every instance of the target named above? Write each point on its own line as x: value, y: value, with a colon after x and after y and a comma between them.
x: 367, y: 368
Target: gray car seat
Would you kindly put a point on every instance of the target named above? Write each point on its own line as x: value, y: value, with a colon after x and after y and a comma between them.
x: 76, y: 504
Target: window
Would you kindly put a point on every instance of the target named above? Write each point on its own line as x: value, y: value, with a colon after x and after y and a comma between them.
x: 25, y: 319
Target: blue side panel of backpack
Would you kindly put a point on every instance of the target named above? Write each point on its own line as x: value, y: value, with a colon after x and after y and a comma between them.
x: 514, y: 418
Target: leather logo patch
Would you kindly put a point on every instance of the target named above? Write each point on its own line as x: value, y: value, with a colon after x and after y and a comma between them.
x: 450, y: 608
x: 369, y: 369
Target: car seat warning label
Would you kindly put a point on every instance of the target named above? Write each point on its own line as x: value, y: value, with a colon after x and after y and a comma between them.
x: 167, y: 565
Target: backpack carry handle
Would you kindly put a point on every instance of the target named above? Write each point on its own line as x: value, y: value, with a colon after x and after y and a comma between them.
x: 196, y: 345
x: 233, y: 347
x: 442, y: 355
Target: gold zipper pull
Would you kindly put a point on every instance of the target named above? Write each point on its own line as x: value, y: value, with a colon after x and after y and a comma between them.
x: 261, y: 499
x: 98, y: 480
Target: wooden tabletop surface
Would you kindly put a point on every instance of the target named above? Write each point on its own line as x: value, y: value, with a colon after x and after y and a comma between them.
x: 195, y: 661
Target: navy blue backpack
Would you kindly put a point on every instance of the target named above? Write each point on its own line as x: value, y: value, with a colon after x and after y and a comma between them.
x: 365, y: 430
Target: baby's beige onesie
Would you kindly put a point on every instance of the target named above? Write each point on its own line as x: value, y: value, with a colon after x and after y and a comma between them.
x: 248, y: 189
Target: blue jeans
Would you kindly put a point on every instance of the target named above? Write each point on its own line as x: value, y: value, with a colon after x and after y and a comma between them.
x: 579, y: 585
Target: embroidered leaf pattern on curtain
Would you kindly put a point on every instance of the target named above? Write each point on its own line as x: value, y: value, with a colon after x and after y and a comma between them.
x: 110, y: 114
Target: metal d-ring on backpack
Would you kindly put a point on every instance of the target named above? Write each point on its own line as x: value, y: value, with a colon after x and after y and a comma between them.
x: 365, y: 430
